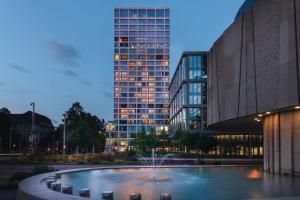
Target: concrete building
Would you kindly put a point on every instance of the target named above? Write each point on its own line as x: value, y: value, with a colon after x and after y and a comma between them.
x: 188, y: 109
x: 141, y: 72
x: 253, y: 79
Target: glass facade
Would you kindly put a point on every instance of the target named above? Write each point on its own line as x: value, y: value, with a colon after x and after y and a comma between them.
x: 188, y: 109
x: 188, y: 93
x: 141, y: 71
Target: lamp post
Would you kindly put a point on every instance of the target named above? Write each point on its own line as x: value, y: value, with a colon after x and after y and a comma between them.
x: 64, y: 136
x: 10, y: 140
x: 32, y: 127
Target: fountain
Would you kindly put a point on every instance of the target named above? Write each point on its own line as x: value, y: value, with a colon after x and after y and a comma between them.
x: 155, y: 177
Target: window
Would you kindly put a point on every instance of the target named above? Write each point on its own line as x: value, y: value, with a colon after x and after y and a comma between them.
x: 123, y: 13
x: 142, y: 13
x: 133, y: 13
x: 124, y: 21
x: 159, y: 13
x: 117, y: 13
x: 150, y: 13
x: 195, y: 118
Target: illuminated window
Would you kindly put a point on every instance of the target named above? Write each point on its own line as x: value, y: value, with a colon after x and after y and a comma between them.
x: 151, y: 111
x: 123, y: 143
x: 124, y: 57
x: 124, y: 116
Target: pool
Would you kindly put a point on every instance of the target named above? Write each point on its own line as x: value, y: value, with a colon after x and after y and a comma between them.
x: 185, y: 183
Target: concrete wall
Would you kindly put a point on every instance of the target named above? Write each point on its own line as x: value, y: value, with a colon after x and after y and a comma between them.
x: 282, y: 143
x: 253, y: 67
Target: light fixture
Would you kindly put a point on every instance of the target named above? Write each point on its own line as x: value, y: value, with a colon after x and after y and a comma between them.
x: 260, y: 115
x: 267, y: 113
x: 297, y: 107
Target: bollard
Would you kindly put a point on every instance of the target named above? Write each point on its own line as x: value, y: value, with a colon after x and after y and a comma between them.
x: 107, y: 195
x: 57, y: 175
x: 51, y: 177
x: 56, y: 186
x: 49, y: 181
x: 85, y: 192
x: 135, y: 196
x: 66, y: 189
x: 165, y: 196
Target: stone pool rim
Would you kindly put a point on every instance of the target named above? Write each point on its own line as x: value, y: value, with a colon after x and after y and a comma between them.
x: 32, y: 189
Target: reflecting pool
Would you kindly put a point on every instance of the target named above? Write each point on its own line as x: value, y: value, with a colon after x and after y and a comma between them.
x: 185, y: 183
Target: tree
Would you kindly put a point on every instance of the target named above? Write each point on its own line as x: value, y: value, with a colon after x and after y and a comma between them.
x: 145, y: 142
x: 164, y: 139
x: 199, y: 143
x: 4, y: 129
x: 206, y: 143
x: 85, y: 131
x: 4, y: 111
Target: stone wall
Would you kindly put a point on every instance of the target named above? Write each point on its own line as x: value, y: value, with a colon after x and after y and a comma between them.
x: 253, y: 67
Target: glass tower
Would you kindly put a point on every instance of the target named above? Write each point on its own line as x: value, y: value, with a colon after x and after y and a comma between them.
x: 141, y: 73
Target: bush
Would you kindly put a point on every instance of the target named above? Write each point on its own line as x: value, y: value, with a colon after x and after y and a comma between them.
x: 42, y: 169
x: 19, y: 176
x: 7, y: 183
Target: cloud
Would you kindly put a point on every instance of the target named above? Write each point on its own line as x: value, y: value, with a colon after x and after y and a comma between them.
x: 65, y: 53
x: 70, y: 73
x: 19, y: 68
x: 85, y: 82
x: 107, y: 94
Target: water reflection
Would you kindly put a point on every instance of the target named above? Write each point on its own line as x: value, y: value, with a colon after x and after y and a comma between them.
x: 254, y: 174
x: 187, y: 183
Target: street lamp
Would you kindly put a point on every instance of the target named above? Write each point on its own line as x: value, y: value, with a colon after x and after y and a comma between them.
x: 64, y: 136
x: 32, y: 127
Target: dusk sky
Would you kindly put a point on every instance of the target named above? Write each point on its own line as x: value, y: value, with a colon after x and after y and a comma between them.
x: 55, y: 52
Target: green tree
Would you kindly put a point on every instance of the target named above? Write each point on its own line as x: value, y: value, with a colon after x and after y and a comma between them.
x: 164, y: 140
x: 145, y: 142
x: 4, y: 129
x: 85, y: 131
x: 202, y: 144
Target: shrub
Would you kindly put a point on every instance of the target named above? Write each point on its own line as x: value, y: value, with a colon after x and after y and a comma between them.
x: 19, y: 176
x: 42, y: 169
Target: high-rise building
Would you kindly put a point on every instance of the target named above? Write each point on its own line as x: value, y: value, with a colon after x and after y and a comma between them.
x: 141, y: 73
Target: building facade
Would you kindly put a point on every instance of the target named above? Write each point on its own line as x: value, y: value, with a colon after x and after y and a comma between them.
x: 21, y: 130
x: 141, y: 72
x: 253, y: 79
x: 188, y: 109
x: 188, y: 96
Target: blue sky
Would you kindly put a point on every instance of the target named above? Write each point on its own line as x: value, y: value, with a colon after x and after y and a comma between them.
x: 56, y: 52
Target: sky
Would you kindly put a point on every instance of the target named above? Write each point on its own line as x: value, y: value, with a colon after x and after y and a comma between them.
x: 56, y: 52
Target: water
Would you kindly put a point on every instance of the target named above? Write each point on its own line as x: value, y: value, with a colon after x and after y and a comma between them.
x: 186, y: 183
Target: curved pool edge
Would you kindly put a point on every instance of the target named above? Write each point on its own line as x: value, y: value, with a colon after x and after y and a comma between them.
x: 32, y: 189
